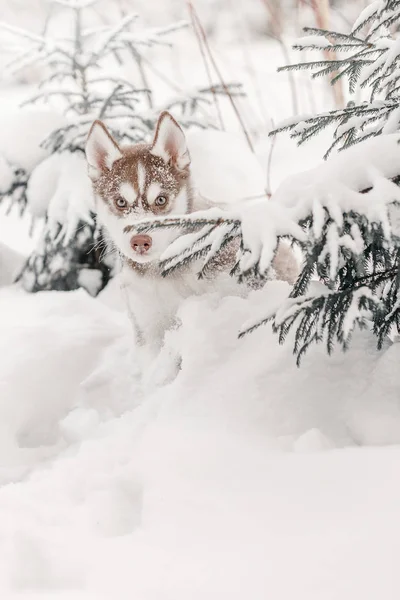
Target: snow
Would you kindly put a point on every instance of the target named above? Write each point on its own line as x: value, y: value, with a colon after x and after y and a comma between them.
x: 6, y: 175
x: 392, y: 124
x: 369, y: 70
x: 312, y: 41
x: 355, y: 311
x: 220, y: 471
x: 288, y: 121
x: 90, y: 280
x: 61, y: 187
x: 366, y: 14
x: 10, y: 264
x: 334, y: 187
x: 42, y: 184
x: 22, y: 132
x: 356, y: 168
x: 391, y: 55
x: 312, y: 441
x: 240, y: 476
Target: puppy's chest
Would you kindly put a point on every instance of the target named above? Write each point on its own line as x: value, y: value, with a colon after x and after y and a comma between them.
x: 154, y: 300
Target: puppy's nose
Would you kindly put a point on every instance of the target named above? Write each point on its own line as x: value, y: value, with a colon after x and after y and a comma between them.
x: 141, y: 243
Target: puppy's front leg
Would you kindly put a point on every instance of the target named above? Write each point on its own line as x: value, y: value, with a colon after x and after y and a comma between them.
x: 156, y: 361
x: 146, y: 344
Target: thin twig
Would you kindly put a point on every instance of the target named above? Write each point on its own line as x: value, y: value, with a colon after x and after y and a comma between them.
x: 269, y: 164
x: 249, y: 62
x: 206, y: 65
x: 143, y: 77
x: 321, y: 11
x: 277, y: 36
x: 219, y: 75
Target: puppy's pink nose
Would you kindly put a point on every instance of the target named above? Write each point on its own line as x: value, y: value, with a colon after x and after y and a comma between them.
x: 141, y: 243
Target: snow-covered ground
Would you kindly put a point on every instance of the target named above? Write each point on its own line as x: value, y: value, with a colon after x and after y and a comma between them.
x: 243, y: 477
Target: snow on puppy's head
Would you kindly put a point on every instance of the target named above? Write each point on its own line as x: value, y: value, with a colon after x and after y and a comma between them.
x: 136, y: 182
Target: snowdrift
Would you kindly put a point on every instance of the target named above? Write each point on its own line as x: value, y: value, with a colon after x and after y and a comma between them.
x: 215, y: 485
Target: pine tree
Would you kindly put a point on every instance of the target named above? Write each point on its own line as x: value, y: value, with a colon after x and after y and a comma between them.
x: 343, y: 215
x: 369, y: 61
x: 14, y: 181
x: 83, y: 76
x: 355, y: 252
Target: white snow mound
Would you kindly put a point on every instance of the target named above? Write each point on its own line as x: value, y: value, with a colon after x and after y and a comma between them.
x: 10, y: 264
x: 102, y: 486
x: 23, y: 131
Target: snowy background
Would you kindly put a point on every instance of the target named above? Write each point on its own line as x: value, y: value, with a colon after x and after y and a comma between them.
x: 245, y: 476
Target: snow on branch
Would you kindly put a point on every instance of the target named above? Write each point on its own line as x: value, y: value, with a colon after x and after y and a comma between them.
x: 349, y: 206
x: 337, y: 213
x: 13, y: 183
x: 356, y: 182
x: 258, y: 225
x: 75, y: 4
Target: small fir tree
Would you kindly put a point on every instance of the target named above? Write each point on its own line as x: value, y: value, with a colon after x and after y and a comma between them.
x: 362, y: 275
x: 13, y: 184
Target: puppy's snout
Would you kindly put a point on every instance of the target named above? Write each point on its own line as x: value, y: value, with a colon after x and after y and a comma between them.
x: 141, y: 243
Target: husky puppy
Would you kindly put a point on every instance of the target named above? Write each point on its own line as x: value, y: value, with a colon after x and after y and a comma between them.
x: 134, y: 182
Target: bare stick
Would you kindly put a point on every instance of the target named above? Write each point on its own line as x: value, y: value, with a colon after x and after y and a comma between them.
x: 321, y: 10
x: 205, y: 62
x: 269, y: 165
x: 219, y: 75
x: 249, y: 62
x: 144, y: 79
x: 277, y: 35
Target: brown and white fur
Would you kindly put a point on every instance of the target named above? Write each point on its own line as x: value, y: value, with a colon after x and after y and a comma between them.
x: 135, y: 182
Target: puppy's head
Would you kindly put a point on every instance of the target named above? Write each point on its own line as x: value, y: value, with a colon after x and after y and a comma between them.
x: 136, y: 182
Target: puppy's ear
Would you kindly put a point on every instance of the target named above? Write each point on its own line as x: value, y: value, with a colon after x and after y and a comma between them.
x: 169, y: 142
x: 101, y: 150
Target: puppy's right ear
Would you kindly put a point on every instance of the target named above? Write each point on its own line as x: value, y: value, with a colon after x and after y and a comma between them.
x: 101, y: 150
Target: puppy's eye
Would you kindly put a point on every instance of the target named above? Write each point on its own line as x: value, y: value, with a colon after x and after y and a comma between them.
x: 121, y: 202
x: 161, y: 201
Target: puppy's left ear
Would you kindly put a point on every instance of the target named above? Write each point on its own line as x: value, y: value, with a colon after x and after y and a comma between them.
x: 169, y: 142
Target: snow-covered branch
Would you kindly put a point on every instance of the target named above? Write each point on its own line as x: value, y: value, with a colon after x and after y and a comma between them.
x: 337, y: 214
x: 370, y: 62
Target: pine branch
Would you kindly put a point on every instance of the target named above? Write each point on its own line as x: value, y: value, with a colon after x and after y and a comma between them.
x: 335, y: 35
